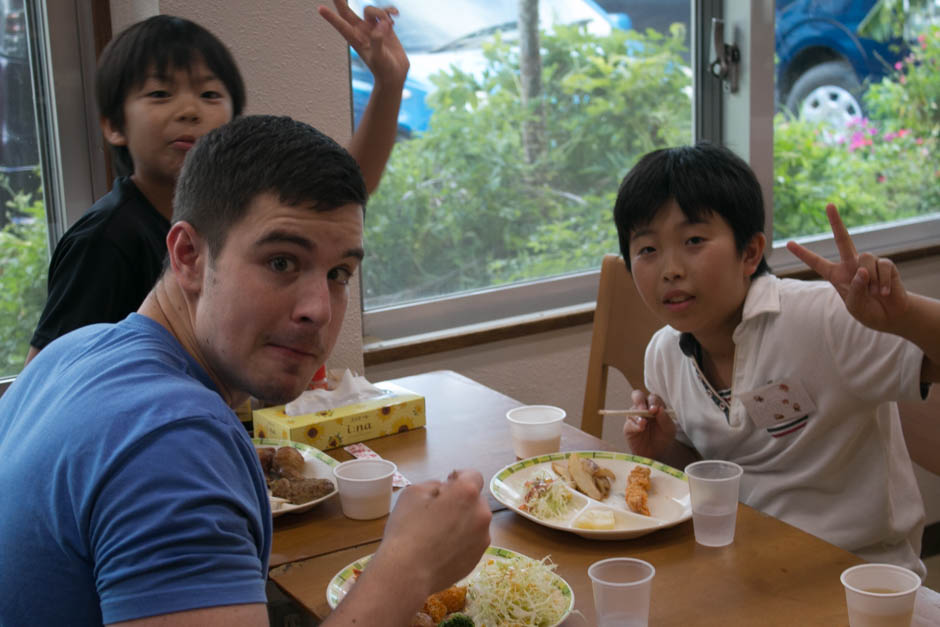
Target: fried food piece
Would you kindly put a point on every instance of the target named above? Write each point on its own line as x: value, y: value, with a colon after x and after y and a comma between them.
x: 583, y: 475
x: 422, y: 620
x: 308, y: 489
x: 280, y: 488
x: 435, y: 608
x: 453, y: 598
x: 266, y: 457
x: 638, y: 484
x: 288, y: 462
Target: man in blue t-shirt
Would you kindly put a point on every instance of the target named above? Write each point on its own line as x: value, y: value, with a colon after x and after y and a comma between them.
x: 131, y: 490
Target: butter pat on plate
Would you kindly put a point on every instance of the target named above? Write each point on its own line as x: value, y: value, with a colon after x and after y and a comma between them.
x: 595, y: 519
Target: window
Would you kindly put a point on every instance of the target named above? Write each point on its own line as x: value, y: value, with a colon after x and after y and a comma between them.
x: 46, y: 162
x: 857, y: 86
x: 496, y: 205
x: 501, y: 188
x: 24, y: 251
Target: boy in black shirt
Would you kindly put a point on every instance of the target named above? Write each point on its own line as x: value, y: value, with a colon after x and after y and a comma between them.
x: 160, y: 85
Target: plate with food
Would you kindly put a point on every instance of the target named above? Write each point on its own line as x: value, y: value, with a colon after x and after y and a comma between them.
x: 596, y: 494
x: 299, y: 476
x: 505, y: 588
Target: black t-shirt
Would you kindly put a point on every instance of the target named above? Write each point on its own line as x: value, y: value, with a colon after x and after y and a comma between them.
x: 105, y: 264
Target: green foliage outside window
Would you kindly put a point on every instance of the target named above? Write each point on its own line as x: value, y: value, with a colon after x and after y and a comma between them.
x: 878, y: 169
x: 24, y: 261
x: 459, y: 207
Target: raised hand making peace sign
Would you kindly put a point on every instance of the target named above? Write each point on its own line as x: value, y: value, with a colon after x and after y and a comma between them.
x: 872, y: 290
x: 870, y: 286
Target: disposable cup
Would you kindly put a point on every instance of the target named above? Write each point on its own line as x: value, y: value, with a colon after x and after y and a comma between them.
x: 365, y: 487
x: 880, y: 595
x: 535, y: 429
x: 713, y: 485
x: 622, y: 588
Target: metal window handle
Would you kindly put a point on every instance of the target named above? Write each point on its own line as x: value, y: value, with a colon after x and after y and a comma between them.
x: 727, y: 61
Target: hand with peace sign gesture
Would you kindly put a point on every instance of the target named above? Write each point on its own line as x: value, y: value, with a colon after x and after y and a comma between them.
x: 373, y: 38
x: 873, y: 293
x: 870, y: 286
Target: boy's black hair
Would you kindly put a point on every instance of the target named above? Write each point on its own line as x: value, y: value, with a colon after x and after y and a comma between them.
x: 705, y: 178
x: 257, y: 154
x: 163, y: 43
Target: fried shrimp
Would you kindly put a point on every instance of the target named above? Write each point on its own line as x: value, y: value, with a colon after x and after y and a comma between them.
x: 638, y: 485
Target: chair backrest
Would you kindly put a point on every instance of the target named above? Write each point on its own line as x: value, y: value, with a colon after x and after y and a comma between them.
x: 623, y: 326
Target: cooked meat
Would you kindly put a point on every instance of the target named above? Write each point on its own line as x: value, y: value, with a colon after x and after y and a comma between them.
x: 288, y: 462
x: 306, y: 490
x: 638, y: 482
x: 266, y: 457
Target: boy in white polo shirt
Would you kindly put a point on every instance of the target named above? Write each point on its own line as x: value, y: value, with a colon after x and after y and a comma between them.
x: 775, y: 374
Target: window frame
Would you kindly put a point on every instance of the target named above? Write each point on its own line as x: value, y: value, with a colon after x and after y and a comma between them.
x: 532, y: 300
x: 714, y: 110
x: 72, y: 164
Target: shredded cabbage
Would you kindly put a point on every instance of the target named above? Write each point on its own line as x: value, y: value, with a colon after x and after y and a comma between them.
x: 515, y: 592
x: 546, y: 498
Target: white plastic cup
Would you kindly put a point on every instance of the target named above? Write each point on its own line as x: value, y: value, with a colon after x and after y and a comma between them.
x: 622, y: 588
x: 535, y: 429
x: 365, y: 487
x: 713, y: 485
x: 880, y: 595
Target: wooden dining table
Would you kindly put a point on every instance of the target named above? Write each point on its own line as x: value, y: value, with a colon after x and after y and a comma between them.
x: 772, y: 574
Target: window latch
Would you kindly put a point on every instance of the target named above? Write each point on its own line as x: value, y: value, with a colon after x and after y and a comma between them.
x: 727, y: 62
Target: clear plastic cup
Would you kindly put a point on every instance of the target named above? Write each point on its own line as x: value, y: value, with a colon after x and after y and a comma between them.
x: 365, y: 487
x: 880, y: 595
x: 535, y: 429
x: 622, y: 588
x: 713, y: 485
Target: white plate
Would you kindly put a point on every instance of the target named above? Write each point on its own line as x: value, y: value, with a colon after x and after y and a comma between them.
x: 344, y: 579
x: 317, y: 464
x: 669, y: 502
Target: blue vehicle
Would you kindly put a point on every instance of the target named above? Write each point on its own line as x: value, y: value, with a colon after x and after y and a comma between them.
x: 436, y: 38
x: 824, y: 62
x: 413, y: 114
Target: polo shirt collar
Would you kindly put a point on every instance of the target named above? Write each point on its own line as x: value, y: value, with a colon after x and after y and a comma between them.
x: 763, y: 296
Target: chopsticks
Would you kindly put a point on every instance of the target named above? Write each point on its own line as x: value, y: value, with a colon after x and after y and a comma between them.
x: 642, y: 413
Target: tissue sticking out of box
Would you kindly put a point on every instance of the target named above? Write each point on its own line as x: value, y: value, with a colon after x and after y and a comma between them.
x: 351, y: 389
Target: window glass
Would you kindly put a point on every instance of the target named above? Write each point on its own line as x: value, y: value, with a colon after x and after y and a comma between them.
x: 857, y: 122
x: 508, y: 164
x: 24, y: 245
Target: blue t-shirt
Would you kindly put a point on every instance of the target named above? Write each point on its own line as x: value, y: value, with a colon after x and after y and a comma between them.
x: 130, y: 489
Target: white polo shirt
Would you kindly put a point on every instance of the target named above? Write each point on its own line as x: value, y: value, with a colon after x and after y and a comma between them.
x: 840, y: 471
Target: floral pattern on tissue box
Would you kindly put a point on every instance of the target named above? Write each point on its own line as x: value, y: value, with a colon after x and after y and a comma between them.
x: 398, y: 410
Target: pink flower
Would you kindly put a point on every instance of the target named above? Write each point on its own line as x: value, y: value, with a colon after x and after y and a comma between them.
x: 904, y: 132
x: 898, y: 66
x: 922, y: 38
x: 889, y: 136
x: 881, y: 178
x: 919, y: 141
x: 902, y: 79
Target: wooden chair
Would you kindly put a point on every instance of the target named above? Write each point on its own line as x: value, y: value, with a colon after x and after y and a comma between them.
x: 623, y: 326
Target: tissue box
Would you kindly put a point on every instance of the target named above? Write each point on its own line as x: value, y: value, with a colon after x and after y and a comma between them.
x: 398, y: 410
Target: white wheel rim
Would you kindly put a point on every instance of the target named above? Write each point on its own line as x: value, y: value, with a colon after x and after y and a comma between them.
x: 830, y: 104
